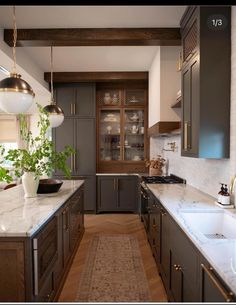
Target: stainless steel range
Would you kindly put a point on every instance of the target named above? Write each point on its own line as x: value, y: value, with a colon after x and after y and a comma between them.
x: 163, y: 179
x: 145, y: 193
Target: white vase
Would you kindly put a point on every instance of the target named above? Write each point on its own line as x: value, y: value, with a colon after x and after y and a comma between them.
x: 30, y: 184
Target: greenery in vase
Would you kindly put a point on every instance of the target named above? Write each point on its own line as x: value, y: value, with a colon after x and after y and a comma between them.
x: 40, y: 155
x: 4, y: 175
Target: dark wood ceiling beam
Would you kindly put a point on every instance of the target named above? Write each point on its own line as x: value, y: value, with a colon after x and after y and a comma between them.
x: 95, y: 37
x: 70, y: 77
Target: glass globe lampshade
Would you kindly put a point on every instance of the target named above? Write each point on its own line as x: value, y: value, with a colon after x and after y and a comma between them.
x: 16, y: 95
x: 56, y: 115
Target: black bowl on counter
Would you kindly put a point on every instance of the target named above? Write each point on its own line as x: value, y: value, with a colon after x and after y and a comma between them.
x: 49, y: 186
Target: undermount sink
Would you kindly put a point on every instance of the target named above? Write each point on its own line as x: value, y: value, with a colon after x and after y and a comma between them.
x: 215, y: 224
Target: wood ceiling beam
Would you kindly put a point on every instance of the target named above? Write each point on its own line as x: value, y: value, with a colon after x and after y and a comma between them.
x: 70, y: 77
x: 94, y: 37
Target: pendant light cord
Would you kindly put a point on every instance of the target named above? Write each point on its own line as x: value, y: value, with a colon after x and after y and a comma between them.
x: 14, y: 39
x: 52, y: 101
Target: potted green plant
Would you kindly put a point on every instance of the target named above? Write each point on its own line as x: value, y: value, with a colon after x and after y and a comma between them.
x: 39, y: 157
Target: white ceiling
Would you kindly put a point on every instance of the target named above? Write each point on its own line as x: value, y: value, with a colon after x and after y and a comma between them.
x: 92, y: 16
x: 111, y: 58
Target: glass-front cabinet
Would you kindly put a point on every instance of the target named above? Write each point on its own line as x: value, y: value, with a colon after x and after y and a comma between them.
x: 121, y: 130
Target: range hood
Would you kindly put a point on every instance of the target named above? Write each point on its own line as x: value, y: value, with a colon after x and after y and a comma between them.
x: 164, y: 128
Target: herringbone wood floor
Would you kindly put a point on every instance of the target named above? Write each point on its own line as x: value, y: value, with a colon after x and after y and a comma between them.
x: 113, y: 223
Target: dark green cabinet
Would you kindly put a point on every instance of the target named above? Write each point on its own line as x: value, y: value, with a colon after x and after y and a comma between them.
x: 76, y: 219
x: 165, y: 248
x: 127, y: 193
x: 78, y: 130
x: 206, y: 72
x: 76, y: 99
x: 80, y: 134
x: 190, y: 93
x: 184, y: 262
x: 117, y: 193
x: 89, y: 192
x: 212, y: 287
x: 154, y: 227
x: 85, y: 158
x: 186, y: 274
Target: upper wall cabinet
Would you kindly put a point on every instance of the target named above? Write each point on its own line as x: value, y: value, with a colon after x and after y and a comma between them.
x: 121, y: 127
x: 76, y: 99
x: 205, y: 82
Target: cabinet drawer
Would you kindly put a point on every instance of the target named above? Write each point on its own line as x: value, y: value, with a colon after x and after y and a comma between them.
x: 45, y: 252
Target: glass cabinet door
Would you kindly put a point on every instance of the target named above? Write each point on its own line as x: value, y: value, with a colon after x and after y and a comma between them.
x: 133, y: 135
x: 134, y: 97
x: 109, y: 97
x: 110, y: 142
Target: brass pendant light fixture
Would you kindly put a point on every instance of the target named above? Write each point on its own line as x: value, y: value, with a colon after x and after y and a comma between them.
x: 56, y: 114
x: 16, y: 95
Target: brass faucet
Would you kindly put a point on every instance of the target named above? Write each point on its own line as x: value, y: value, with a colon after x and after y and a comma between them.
x: 232, y: 183
x: 172, y: 146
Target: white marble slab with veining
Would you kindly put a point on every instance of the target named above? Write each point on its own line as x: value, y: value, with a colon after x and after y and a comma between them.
x: 21, y: 216
x: 221, y: 254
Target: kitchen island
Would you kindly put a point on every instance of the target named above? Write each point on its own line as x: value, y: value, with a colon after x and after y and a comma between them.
x: 201, y: 241
x: 38, y: 239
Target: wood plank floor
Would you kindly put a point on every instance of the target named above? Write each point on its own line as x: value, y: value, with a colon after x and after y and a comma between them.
x: 113, y: 223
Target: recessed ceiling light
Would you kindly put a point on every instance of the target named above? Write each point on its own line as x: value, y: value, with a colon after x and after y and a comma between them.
x: 4, y: 71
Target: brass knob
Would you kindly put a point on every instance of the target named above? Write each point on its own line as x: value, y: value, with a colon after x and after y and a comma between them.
x: 154, y: 226
x: 177, y: 267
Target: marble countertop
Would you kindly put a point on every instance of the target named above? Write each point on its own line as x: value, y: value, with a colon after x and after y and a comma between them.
x: 20, y: 217
x: 221, y: 253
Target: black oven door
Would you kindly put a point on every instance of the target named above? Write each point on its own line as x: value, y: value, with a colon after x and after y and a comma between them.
x: 144, y: 207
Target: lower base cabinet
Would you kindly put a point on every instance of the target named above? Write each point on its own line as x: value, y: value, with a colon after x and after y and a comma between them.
x: 89, y: 191
x: 186, y: 274
x: 117, y: 193
x: 33, y: 269
x: 213, y: 289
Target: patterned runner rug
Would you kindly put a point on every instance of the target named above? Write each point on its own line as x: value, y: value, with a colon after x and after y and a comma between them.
x: 113, y: 271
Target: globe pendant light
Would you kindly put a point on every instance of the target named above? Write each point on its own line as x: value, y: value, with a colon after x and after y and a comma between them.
x: 56, y: 114
x: 16, y: 95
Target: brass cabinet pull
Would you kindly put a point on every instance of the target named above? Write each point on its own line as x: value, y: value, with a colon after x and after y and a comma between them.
x: 185, y: 135
x: 154, y: 226
x: 187, y: 59
x: 163, y: 213
x: 177, y: 267
x: 117, y: 184
x: 71, y: 108
x: 74, y: 162
x: 227, y: 295
x: 74, y: 108
x: 71, y: 162
x: 50, y: 295
x: 114, y: 184
x: 35, y: 264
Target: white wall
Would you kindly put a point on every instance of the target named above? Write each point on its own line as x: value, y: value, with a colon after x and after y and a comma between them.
x: 170, y: 82
x: 164, y: 83
x: 154, y: 90
x: 205, y: 174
